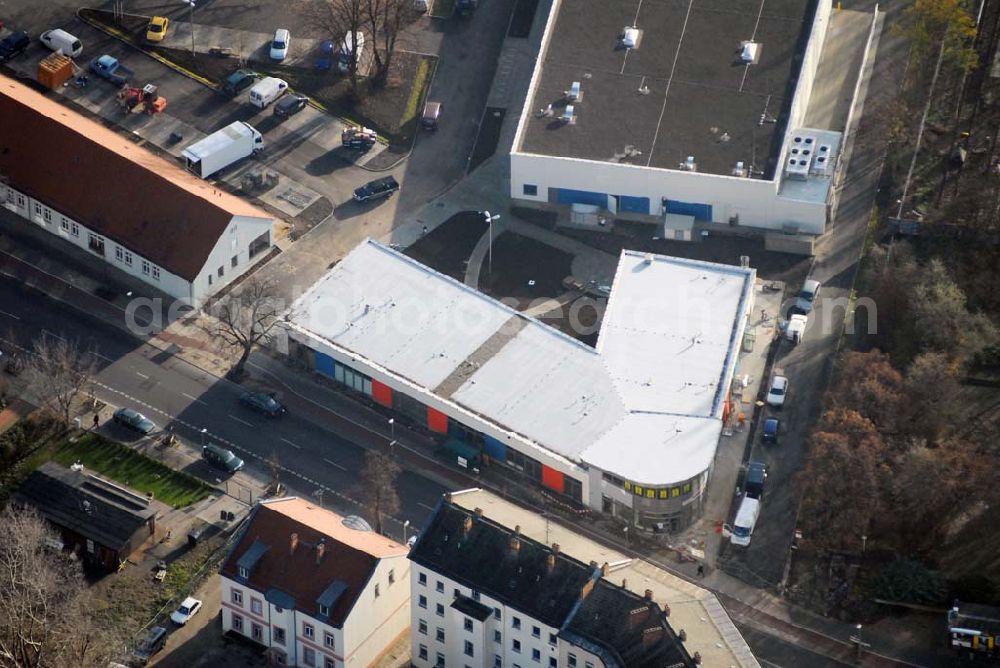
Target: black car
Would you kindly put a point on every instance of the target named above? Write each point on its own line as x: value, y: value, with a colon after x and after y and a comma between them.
x: 754, y: 485
x: 220, y: 458
x: 262, y: 402
x: 290, y: 105
x: 376, y: 189
x: 237, y: 82
x: 152, y: 643
x: 13, y: 44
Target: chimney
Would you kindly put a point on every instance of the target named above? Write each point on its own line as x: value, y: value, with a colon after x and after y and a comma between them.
x: 649, y: 594
x: 551, y: 561
x: 320, y: 549
x: 666, y: 609
x: 593, y: 566
x: 555, y: 549
x: 697, y: 658
x: 515, y: 545
x: 517, y: 529
x: 293, y: 543
x: 624, y: 583
x: 604, y: 569
x: 651, y: 636
x: 478, y: 512
x: 466, y: 525
x: 682, y: 634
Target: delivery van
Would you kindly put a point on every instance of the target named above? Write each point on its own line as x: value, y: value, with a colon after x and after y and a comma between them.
x: 267, y: 90
x: 746, y: 519
x: 347, y: 47
x: 62, y: 41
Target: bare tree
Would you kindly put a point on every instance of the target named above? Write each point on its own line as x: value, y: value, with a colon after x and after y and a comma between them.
x: 340, y: 18
x: 385, y: 19
x: 247, y: 318
x: 46, y: 615
x: 378, y: 480
x: 59, y: 373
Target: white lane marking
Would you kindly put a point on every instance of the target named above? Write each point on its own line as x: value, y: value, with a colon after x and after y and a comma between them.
x: 294, y: 445
x: 45, y: 331
x: 142, y: 375
x: 342, y: 468
x: 241, y: 421
x: 424, y: 505
x: 185, y: 394
x: 10, y: 315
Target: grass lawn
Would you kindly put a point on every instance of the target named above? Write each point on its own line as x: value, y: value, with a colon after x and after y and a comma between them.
x: 132, y: 469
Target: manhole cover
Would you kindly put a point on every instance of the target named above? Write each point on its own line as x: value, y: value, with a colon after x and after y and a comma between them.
x: 295, y: 198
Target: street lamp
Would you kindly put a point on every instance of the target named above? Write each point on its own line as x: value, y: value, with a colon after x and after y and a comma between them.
x: 191, y: 19
x: 490, y: 219
x: 204, y: 431
x: 406, y: 525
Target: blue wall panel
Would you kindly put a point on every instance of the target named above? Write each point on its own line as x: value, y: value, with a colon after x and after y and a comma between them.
x: 699, y: 211
x: 324, y: 364
x: 633, y: 204
x: 567, y: 196
x: 495, y: 449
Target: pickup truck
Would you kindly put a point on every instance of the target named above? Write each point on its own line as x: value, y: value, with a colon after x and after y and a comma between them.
x: 110, y: 68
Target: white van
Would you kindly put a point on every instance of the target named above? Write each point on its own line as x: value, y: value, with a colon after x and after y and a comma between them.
x: 746, y: 519
x: 267, y: 90
x: 62, y: 41
x: 346, y: 47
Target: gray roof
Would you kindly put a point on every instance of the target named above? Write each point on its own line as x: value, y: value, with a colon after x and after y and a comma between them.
x: 93, y: 507
x: 700, y: 99
x: 252, y: 556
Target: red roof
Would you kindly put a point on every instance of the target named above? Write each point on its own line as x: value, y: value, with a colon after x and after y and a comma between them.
x: 110, y: 184
x: 349, y: 556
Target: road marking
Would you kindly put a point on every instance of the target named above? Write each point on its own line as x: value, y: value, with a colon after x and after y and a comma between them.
x: 45, y: 331
x: 342, y: 468
x: 297, y: 447
x: 185, y: 394
x: 9, y: 315
x: 424, y: 505
x: 241, y: 421
x: 142, y: 375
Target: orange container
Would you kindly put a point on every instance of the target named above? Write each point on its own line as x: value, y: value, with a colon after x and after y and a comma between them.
x: 55, y: 70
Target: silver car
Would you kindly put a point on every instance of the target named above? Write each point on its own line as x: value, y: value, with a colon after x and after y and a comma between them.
x: 808, y: 295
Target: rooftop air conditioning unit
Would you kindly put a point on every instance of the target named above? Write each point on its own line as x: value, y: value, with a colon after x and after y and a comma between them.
x: 569, y: 115
x: 689, y: 165
x: 797, y: 168
x: 630, y: 37
x: 573, y: 94
x: 749, y: 52
x: 823, y: 159
x: 739, y: 169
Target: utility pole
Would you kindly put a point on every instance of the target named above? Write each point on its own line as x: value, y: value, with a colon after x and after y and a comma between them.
x: 191, y: 19
x: 490, y: 219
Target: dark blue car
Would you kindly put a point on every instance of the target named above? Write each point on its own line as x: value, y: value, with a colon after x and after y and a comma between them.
x: 324, y: 58
x: 769, y: 433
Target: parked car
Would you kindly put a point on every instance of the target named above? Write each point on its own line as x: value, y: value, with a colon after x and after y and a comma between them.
x: 262, y: 402
x: 267, y: 90
x: 280, y: 43
x: 807, y: 296
x: 432, y: 112
x: 290, y: 105
x: 776, y: 394
x: 157, y: 28
x: 754, y: 482
x: 770, y: 430
x: 796, y: 328
x: 348, y: 51
x: 61, y: 41
x: 152, y: 643
x: 188, y: 609
x: 13, y: 44
x: 360, y: 139
x: 324, y: 56
x: 376, y: 189
x: 134, y: 420
x: 237, y: 82
x: 220, y: 458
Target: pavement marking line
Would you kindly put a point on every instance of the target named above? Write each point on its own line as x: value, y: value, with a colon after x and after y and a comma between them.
x: 342, y: 468
x: 424, y: 505
x: 141, y: 375
x: 294, y: 445
x: 45, y: 331
x: 10, y: 315
x: 185, y: 394
x: 241, y: 421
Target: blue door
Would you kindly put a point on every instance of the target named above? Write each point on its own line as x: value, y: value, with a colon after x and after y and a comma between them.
x: 633, y: 204
x: 567, y: 196
x: 699, y: 211
x: 324, y: 364
x: 495, y: 449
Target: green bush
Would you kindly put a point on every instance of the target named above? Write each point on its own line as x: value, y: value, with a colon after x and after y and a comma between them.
x: 907, y: 581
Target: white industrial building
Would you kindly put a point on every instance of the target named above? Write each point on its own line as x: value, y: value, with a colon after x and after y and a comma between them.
x: 97, y: 191
x: 629, y: 427
x: 679, y: 114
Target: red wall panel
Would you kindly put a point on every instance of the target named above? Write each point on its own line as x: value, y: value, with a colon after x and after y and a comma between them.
x: 437, y: 421
x: 553, y: 479
x: 381, y: 393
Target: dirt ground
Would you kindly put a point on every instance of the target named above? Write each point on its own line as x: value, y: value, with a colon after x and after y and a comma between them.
x: 448, y: 246
x: 525, y: 270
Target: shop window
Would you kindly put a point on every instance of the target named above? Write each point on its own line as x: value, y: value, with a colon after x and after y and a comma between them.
x: 530, y: 190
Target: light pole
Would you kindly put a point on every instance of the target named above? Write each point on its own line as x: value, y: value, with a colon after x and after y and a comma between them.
x: 490, y: 219
x: 204, y: 431
x: 406, y: 525
x: 191, y: 19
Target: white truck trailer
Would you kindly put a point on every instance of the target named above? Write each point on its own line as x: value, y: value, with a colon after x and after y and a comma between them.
x: 221, y: 149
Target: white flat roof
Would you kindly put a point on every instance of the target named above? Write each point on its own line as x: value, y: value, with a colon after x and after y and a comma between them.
x: 645, y: 405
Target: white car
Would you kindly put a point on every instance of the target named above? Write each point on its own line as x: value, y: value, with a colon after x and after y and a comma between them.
x: 776, y: 395
x: 280, y: 43
x: 189, y: 608
x: 796, y: 328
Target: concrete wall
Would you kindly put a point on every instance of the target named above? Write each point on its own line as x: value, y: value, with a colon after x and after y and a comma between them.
x: 377, y: 621
x: 234, y: 243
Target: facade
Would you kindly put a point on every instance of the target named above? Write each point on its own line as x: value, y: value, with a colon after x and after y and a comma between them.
x: 688, y: 116
x: 486, y: 596
x: 315, y: 588
x: 629, y: 427
x: 101, y: 193
x: 101, y: 522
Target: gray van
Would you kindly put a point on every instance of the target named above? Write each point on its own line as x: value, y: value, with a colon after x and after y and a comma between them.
x: 154, y: 641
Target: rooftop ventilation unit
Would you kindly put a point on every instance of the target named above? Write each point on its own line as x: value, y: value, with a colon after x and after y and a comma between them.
x: 630, y: 37
x: 823, y: 159
x: 739, y: 169
x: 689, y: 165
x: 797, y: 168
x: 573, y: 94
x: 569, y: 115
x: 749, y: 52
x: 649, y: 258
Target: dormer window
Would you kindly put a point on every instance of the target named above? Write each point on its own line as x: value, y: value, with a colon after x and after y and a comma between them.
x: 244, y: 573
x: 324, y: 610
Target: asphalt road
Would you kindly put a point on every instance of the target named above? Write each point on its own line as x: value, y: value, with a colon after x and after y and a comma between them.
x: 171, y: 391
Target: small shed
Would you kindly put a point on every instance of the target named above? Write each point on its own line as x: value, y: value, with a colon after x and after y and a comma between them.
x: 678, y: 227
